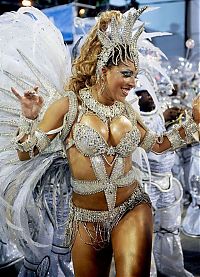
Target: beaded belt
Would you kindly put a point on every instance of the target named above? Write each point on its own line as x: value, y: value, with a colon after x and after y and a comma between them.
x: 90, y: 187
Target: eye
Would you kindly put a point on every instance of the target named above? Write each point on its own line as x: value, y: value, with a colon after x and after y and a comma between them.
x: 127, y: 73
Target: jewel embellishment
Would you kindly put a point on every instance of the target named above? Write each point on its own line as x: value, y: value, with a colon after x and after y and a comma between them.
x: 105, y: 113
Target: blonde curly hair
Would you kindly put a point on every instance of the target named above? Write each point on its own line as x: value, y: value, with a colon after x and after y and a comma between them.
x: 84, y: 67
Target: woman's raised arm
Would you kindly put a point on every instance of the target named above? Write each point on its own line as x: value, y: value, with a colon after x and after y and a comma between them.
x: 32, y: 136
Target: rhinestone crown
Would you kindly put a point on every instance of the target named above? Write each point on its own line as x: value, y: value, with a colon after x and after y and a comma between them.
x: 119, y: 36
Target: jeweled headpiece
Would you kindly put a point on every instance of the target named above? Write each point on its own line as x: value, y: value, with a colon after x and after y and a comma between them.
x: 119, y: 37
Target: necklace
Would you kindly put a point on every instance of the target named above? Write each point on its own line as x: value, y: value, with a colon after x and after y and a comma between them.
x: 104, y: 112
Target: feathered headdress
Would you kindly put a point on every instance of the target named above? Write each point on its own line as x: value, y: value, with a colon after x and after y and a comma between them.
x: 119, y: 36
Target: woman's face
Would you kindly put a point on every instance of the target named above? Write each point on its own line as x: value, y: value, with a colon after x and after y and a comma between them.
x: 120, y: 80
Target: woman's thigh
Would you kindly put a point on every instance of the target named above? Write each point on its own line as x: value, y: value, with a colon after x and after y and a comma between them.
x: 132, y: 243
x: 87, y: 261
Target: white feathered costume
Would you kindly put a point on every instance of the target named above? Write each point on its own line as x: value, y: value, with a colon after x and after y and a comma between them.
x: 34, y: 193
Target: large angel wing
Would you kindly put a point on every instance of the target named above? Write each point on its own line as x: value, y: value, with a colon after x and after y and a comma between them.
x: 32, y: 53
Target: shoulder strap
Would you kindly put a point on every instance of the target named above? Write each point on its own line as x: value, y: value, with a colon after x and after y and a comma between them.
x: 134, y: 116
x: 137, y: 117
x: 130, y: 113
x: 70, y: 115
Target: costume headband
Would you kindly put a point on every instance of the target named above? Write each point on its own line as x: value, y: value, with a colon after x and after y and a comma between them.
x: 119, y: 36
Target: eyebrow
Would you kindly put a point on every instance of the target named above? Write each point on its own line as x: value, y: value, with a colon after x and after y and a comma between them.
x: 127, y: 69
x: 126, y: 64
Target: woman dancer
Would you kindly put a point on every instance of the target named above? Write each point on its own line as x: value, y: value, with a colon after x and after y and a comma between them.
x: 109, y: 213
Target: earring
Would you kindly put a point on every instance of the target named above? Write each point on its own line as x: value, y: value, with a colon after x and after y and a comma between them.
x: 102, y: 84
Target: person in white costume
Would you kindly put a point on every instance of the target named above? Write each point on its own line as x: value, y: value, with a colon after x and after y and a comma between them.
x: 102, y: 210
x: 165, y: 193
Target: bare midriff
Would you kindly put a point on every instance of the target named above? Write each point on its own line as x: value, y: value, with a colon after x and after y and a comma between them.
x: 81, y: 169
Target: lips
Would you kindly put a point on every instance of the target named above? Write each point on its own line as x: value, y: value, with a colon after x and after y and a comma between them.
x: 125, y: 91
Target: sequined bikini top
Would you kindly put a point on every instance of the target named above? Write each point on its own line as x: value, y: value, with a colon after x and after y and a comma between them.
x: 90, y: 143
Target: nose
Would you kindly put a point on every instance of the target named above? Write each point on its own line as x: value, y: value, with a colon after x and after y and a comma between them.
x: 131, y: 81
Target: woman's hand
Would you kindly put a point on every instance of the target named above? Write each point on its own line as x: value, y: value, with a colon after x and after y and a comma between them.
x: 31, y: 102
x: 196, y: 109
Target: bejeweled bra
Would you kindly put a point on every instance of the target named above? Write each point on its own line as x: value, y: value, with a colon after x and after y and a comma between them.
x: 90, y: 143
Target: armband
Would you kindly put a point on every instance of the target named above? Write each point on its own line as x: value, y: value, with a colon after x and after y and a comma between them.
x: 175, y: 138
x: 36, y: 138
x: 190, y: 128
x: 42, y: 140
x: 148, y: 141
x: 26, y: 126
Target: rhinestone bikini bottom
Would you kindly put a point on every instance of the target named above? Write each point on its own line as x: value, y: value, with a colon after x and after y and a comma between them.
x: 98, y: 225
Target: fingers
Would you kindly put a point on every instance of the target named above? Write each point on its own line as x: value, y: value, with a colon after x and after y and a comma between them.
x: 32, y: 94
x: 36, y: 89
x: 40, y: 100
x: 28, y: 94
x: 16, y: 93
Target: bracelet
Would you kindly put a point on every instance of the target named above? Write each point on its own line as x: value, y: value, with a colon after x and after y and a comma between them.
x: 42, y: 140
x: 175, y: 138
x: 148, y: 141
x: 190, y: 128
x: 37, y: 140
x: 26, y: 126
x: 26, y: 146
